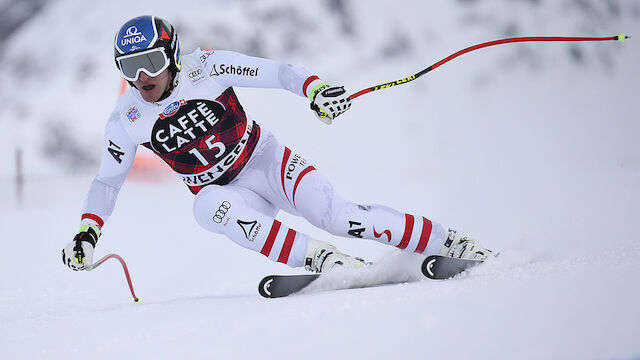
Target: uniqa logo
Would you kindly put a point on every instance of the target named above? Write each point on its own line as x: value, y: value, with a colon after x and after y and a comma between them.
x: 132, y: 31
x: 133, y: 36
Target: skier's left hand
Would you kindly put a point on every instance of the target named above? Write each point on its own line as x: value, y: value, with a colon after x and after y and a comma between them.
x: 329, y: 102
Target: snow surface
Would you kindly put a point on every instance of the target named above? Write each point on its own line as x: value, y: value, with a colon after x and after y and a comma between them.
x: 531, y: 148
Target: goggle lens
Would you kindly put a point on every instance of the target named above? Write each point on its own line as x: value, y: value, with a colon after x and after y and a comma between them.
x: 152, y: 62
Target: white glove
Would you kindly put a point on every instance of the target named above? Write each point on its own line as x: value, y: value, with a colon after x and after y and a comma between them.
x: 78, y: 254
x: 329, y: 102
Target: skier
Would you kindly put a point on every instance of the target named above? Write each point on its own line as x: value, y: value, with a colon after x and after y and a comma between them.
x: 184, y: 108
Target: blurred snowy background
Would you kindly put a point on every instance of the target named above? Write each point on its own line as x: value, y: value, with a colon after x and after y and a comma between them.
x: 531, y: 148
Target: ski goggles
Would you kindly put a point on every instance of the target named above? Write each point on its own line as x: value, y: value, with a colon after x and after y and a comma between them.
x: 152, y: 62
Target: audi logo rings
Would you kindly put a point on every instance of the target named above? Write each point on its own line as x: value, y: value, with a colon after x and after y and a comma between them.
x: 221, y: 212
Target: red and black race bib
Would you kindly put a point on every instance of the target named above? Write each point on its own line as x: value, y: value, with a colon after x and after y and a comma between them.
x: 205, y: 141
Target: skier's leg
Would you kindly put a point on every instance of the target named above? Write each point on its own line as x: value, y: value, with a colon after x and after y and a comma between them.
x: 293, y: 184
x: 248, y: 219
x: 290, y: 182
x: 321, y: 205
x: 316, y: 199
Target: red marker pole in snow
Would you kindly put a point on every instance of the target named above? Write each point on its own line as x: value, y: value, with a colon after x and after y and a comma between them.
x: 124, y: 267
x: 620, y: 37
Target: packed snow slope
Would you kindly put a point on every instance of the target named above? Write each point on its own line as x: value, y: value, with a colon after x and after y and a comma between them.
x: 531, y: 148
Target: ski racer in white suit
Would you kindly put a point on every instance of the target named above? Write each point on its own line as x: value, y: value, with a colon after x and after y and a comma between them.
x: 183, y: 107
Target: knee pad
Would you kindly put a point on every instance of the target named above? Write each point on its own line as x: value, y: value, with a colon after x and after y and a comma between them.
x: 212, y: 205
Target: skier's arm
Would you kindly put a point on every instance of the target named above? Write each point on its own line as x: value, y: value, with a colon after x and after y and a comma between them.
x: 117, y: 159
x: 118, y: 153
x: 235, y: 69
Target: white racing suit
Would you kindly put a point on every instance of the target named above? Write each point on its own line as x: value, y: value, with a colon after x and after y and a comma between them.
x: 239, y: 172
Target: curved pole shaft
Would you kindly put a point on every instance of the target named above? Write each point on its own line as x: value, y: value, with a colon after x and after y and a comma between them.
x: 620, y: 37
x: 124, y: 267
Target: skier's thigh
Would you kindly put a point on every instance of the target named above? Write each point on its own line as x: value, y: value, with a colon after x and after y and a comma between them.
x: 215, y: 205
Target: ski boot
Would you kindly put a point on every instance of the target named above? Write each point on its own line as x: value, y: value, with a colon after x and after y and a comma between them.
x: 462, y: 247
x: 321, y: 257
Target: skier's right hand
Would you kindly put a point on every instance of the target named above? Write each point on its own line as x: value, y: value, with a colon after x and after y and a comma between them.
x: 78, y: 254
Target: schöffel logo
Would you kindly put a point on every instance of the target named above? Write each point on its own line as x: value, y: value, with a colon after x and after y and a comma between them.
x: 132, y: 36
x: 250, y: 228
x: 172, y: 108
x: 233, y: 70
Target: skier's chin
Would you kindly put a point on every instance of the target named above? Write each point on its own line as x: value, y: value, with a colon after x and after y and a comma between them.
x: 149, y: 93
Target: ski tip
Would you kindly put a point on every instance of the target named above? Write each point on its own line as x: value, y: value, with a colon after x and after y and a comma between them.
x: 264, y: 287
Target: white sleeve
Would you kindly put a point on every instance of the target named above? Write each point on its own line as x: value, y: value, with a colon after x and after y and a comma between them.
x: 117, y: 159
x: 235, y: 69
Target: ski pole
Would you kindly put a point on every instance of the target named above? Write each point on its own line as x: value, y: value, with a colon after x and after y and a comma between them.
x: 620, y: 37
x: 124, y: 267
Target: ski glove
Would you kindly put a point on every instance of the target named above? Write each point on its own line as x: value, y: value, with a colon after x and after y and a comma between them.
x: 78, y: 254
x: 330, y: 101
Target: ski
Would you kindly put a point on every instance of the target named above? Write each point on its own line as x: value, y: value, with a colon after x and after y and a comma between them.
x: 433, y: 267
x: 439, y: 267
x: 275, y: 286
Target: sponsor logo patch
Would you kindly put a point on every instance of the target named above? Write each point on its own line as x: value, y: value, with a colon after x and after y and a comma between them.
x: 250, y: 228
x: 355, y: 230
x: 222, y: 211
x: 172, y: 109
x: 115, y: 151
x: 133, y: 37
x: 221, y: 69
x: 196, y: 76
x: 205, y: 56
x: 293, y: 163
x: 195, y: 73
x: 133, y: 114
x: 385, y: 232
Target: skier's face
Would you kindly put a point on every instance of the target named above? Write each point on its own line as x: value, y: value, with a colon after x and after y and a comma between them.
x: 152, y: 88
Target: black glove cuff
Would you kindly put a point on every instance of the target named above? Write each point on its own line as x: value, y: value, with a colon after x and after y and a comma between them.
x: 89, y: 236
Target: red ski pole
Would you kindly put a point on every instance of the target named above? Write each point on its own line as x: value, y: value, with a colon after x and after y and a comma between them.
x: 620, y: 37
x: 124, y: 267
